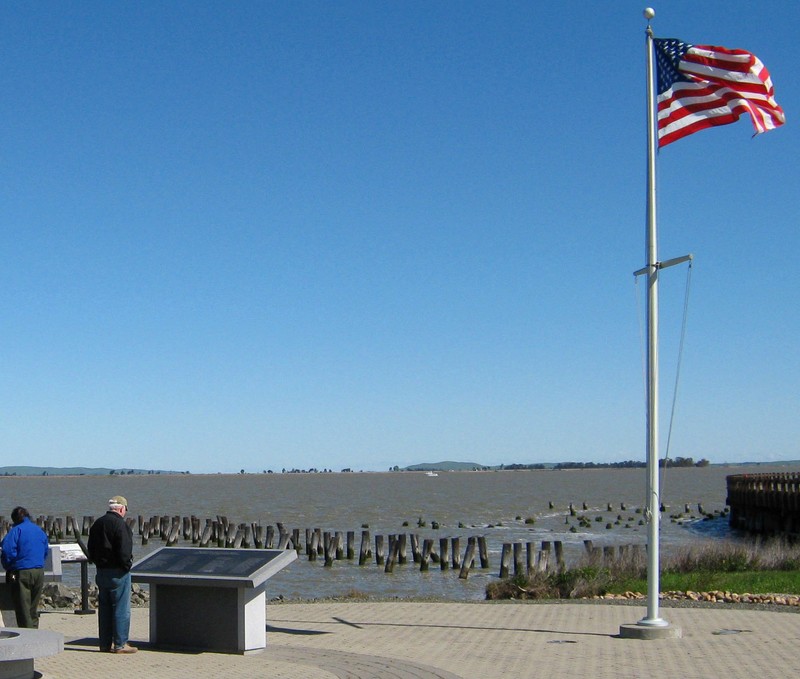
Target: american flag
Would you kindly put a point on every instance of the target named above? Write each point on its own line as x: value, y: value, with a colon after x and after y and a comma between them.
x: 701, y: 86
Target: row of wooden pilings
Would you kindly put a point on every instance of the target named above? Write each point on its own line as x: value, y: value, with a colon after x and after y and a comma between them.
x: 766, y: 504
x: 524, y: 557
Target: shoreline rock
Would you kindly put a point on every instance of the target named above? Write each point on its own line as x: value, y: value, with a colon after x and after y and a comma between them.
x: 57, y: 596
x: 714, y: 596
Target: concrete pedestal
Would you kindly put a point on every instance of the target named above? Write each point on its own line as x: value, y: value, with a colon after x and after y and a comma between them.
x: 210, y: 599
x: 19, y: 647
x: 223, y: 619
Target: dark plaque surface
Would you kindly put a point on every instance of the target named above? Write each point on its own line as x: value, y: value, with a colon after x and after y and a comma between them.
x: 201, y: 566
x: 203, y: 562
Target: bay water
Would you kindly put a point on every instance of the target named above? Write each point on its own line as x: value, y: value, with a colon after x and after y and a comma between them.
x: 492, y: 504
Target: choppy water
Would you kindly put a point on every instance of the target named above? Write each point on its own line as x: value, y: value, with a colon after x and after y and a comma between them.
x: 493, y: 504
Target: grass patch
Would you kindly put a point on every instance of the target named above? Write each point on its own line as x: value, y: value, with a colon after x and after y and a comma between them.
x: 751, y: 582
x: 755, y: 568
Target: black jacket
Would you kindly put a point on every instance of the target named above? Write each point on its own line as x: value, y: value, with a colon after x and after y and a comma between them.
x: 111, y: 542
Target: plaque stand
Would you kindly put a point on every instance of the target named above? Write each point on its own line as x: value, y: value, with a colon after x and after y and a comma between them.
x: 210, y: 599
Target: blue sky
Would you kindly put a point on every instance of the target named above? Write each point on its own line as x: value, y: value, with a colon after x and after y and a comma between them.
x: 261, y: 235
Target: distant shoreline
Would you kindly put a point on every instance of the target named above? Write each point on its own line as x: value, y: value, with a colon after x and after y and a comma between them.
x: 70, y: 472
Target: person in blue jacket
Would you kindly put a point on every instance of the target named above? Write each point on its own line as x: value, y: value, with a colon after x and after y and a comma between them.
x: 25, y: 549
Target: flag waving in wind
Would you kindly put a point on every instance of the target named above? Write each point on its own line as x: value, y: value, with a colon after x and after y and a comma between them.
x: 700, y: 86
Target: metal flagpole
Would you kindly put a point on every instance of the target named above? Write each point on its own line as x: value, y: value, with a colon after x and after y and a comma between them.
x: 651, y: 626
x: 653, y: 499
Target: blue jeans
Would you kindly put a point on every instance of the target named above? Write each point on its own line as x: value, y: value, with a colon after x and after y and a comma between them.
x: 114, y: 606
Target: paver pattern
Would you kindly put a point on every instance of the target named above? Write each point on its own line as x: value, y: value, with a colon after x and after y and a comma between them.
x: 406, y: 640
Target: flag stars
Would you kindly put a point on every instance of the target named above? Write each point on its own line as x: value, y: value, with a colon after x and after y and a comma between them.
x: 669, y: 53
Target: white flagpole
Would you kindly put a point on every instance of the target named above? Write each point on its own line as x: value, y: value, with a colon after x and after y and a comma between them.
x: 651, y: 626
x: 653, y: 493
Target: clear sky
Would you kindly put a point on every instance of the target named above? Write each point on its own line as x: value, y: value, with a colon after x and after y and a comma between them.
x: 259, y: 235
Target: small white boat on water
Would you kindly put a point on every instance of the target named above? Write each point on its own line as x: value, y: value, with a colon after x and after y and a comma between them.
x: 431, y: 474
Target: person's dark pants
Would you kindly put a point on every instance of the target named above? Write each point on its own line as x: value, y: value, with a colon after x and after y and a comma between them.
x: 114, y: 607
x: 26, y: 590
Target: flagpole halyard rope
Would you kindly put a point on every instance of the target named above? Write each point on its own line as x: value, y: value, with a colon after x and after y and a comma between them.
x: 678, y: 369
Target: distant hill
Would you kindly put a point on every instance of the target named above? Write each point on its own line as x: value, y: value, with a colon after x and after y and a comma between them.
x: 78, y: 471
x: 470, y: 466
x: 444, y: 467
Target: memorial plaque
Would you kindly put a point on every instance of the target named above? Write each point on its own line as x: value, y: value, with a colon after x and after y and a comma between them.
x: 186, y: 583
x: 236, y: 567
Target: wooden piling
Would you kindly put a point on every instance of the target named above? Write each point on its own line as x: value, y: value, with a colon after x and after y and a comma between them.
x: 416, y: 555
x: 443, y: 545
x: 298, y: 546
x: 469, y: 559
x: 559, y: 550
x: 320, y: 544
x: 455, y: 543
x: 505, y: 560
x: 333, y: 548
x: 518, y: 564
x: 206, y: 536
x: 483, y: 551
x: 543, y: 560
x: 380, y: 559
x: 363, y: 553
x: 390, y: 544
x: 530, y: 558
x: 312, y: 546
x: 71, y: 524
x: 230, y: 536
x: 394, y: 553
x: 174, y: 534
x: 427, y: 546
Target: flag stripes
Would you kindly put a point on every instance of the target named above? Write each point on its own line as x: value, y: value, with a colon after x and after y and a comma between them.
x: 704, y: 86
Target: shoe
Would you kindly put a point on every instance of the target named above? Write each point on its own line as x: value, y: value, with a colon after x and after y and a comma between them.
x: 105, y: 649
x: 127, y: 648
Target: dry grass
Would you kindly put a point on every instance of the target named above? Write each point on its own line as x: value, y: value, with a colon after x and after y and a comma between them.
x: 595, y: 574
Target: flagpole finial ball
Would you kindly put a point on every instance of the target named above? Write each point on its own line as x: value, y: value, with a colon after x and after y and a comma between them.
x: 649, y: 13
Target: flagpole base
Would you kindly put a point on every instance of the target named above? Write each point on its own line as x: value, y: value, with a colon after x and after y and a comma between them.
x: 650, y: 629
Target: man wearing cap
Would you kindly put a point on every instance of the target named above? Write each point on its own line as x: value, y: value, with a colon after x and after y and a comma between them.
x: 24, y: 550
x: 110, y: 548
